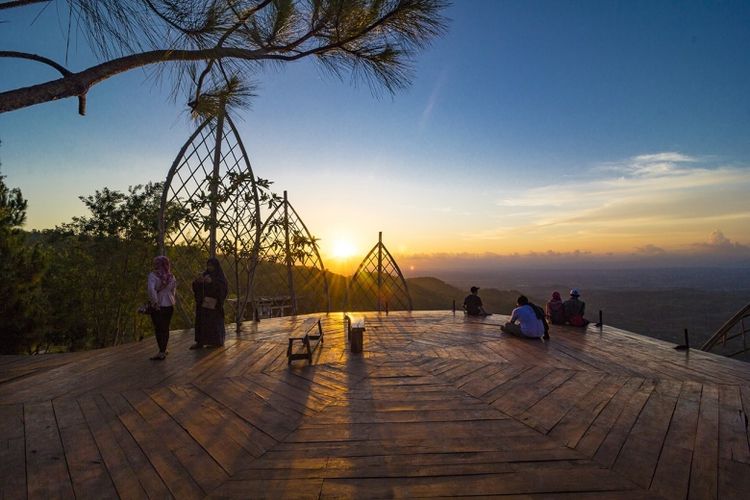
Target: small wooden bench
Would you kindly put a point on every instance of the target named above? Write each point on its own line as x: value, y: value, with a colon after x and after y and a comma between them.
x: 355, y: 327
x: 311, y: 339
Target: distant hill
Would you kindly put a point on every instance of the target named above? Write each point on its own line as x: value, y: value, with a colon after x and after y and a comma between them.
x: 434, y: 294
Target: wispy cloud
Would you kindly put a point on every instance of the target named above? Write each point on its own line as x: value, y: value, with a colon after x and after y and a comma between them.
x: 716, y: 250
x: 650, y: 249
x: 646, y: 165
x: 432, y: 100
x: 667, y: 195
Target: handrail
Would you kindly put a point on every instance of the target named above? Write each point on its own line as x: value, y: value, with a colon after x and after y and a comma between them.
x: 726, y: 327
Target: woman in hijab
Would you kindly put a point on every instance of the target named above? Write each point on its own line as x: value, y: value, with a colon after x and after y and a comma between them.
x: 555, y: 310
x: 162, y: 287
x: 210, y: 290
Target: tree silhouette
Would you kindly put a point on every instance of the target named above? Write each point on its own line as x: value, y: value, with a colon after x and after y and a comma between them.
x: 21, y: 267
x: 217, y: 47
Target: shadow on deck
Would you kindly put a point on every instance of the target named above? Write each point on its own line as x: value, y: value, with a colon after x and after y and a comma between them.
x: 437, y: 405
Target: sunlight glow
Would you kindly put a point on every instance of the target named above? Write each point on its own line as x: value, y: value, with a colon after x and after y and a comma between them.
x: 342, y: 249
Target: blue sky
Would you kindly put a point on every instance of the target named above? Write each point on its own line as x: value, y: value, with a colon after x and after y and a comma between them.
x: 530, y: 127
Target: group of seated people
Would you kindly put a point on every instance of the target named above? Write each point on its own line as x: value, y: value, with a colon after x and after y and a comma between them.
x: 569, y: 312
x: 530, y: 320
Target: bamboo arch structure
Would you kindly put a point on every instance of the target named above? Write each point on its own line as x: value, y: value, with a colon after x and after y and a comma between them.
x: 210, y: 208
x: 289, y: 265
x: 737, y: 327
x: 378, y: 282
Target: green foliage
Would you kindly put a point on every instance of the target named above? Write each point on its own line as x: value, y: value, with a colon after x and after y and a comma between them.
x: 96, y: 269
x: 131, y: 216
x: 12, y: 207
x: 93, y: 288
x: 21, y: 267
x: 233, y: 93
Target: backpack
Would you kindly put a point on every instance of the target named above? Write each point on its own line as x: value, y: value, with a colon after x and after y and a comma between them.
x: 538, y: 311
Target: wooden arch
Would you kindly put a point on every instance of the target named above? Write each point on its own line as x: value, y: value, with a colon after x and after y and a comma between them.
x: 378, y: 283
x: 290, y: 270
x: 210, y: 208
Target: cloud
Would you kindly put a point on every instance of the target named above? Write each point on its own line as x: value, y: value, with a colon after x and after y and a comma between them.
x: 634, y: 178
x: 670, y: 196
x: 650, y: 250
x: 718, y: 243
x: 666, y: 163
x: 672, y: 157
x: 434, y: 96
x: 723, y: 253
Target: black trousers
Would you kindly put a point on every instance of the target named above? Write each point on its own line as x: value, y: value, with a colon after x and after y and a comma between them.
x: 161, y: 319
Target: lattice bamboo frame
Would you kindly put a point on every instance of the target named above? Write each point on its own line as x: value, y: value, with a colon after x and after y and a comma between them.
x: 737, y: 327
x: 378, y: 283
x: 289, y: 263
x: 212, y: 185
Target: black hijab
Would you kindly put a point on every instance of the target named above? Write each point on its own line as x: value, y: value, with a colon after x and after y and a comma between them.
x: 218, y: 273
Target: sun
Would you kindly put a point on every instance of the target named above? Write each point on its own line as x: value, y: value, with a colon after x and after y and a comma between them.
x: 342, y: 249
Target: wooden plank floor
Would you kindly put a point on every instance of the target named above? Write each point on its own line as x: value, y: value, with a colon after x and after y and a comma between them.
x: 437, y: 405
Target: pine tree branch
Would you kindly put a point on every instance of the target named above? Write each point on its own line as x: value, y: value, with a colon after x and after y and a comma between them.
x: 337, y: 36
x: 241, y: 20
x: 78, y: 84
x: 20, y: 3
x: 34, y: 57
x: 49, y: 62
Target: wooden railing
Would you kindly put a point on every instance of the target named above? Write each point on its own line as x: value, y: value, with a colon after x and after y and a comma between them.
x: 726, y: 332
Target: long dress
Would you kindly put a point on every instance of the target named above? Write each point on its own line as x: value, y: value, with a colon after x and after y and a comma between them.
x: 209, y: 323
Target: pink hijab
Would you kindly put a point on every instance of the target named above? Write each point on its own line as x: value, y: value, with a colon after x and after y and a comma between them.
x: 556, y: 297
x: 162, y: 270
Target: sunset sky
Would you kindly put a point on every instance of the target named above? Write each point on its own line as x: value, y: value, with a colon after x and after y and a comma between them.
x: 544, y: 127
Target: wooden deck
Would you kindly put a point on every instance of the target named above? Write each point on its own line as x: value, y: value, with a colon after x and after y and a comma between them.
x: 437, y: 405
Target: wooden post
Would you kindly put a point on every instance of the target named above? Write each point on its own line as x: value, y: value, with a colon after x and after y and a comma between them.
x: 600, y: 324
x: 454, y: 307
x: 214, y: 185
x: 288, y: 251
x: 686, y: 345
x: 380, y: 270
x: 744, y: 340
x: 347, y: 304
x: 386, y: 308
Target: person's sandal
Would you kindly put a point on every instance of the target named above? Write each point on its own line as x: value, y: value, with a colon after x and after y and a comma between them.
x: 196, y: 346
x: 159, y: 357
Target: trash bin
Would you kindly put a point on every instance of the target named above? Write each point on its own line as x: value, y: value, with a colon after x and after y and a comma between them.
x: 356, y: 339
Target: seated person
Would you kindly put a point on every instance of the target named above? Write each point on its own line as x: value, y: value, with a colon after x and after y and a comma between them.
x: 529, y: 325
x: 473, y: 304
x: 555, y: 310
x: 574, y: 309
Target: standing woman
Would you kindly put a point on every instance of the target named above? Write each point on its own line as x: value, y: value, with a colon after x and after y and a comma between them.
x: 210, y: 290
x: 162, y: 286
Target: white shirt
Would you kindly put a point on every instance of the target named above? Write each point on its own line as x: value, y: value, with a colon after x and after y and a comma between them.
x: 531, y: 326
x: 164, y: 297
